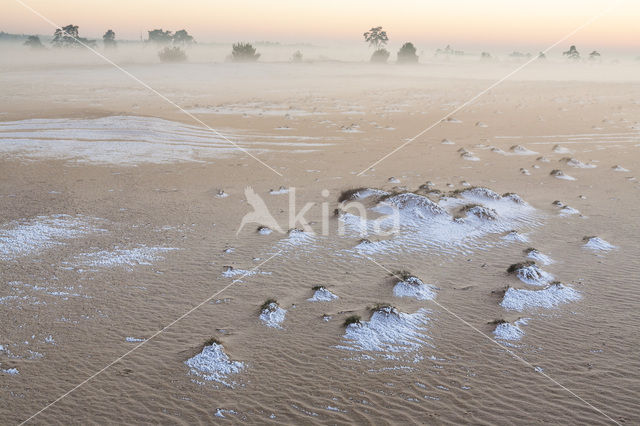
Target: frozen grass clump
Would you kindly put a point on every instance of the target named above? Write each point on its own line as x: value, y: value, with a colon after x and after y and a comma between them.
x: 213, y: 363
x: 271, y: 314
x: 321, y: 294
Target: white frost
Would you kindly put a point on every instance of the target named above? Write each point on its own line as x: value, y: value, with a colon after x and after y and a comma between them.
x: 414, y: 287
x: 322, y: 295
x: 214, y: 364
x: 549, y: 297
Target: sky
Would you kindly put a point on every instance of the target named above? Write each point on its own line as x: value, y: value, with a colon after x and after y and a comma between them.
x: 461, y: 23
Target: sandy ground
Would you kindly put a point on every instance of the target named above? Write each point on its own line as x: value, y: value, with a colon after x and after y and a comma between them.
x: 145, y: 238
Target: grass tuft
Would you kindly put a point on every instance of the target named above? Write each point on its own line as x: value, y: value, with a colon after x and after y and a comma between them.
x: 211, y: 341
x: 517, y: 266
x: 353, y: 319
x: 349, y: 194
x: 401, y: 274
x: 267, y: 303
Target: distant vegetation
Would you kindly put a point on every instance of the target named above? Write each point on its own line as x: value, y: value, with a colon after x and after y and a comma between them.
x: 297, y: 56
x: 34, y: 42
x: 378, y: 39
x: 244, y: 52
x: 69, y: 37
x: 163, y: 38
x: 109, y: 39
x: 572, y: 53
x: 172, y: 54
x: 407, y: 54
x: 449, y: 51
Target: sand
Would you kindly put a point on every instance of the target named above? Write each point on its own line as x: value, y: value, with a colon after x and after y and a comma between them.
x: 112, y: 225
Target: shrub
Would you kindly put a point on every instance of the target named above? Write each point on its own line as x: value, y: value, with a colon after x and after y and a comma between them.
x: 34, y: 42
x: 407, y: 54
x: 380, y: 56
x: 244, y: 52
x: 172, y: 54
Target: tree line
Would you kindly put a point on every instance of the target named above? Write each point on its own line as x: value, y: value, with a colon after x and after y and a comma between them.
x: 173, y: 46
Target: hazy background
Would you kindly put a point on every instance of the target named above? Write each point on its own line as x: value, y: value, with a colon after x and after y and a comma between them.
x: 467, y: 24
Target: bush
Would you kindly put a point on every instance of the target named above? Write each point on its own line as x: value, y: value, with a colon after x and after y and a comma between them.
x: 34, y: 42
x: 172, y: 54
x: 407, y: 54
x: 244, y: 52
x: 380, y: 56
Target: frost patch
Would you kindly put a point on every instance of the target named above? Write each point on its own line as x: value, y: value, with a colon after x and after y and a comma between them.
x: 30, y: 236
x: 597, y: 244
x: 415, y: 288
x: 214, y: 364
x: 549, y: 297
x: 322, y: 295
x: 272, y: 315
x: 388, y: 330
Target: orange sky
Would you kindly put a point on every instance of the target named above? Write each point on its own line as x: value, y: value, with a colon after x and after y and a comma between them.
x: 460, y: 22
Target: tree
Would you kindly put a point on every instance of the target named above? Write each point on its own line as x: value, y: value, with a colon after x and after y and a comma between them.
x: 572, y: 53
x: 172, y: 54
x: 244, y: 52
x: 594, y: 55
x: 109, y: 39
x: 376, y: 37
x: 69, y: 37
x: 542, y: 55
x: 160, y: 37
x: 183, y: 38
x: 407, y: 54
x: 33, y: 41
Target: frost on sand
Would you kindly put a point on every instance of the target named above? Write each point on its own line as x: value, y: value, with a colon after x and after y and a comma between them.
x: 214, y: 364
x: 414, y: 287
x: 388, y: 330
x: 549, y: 297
